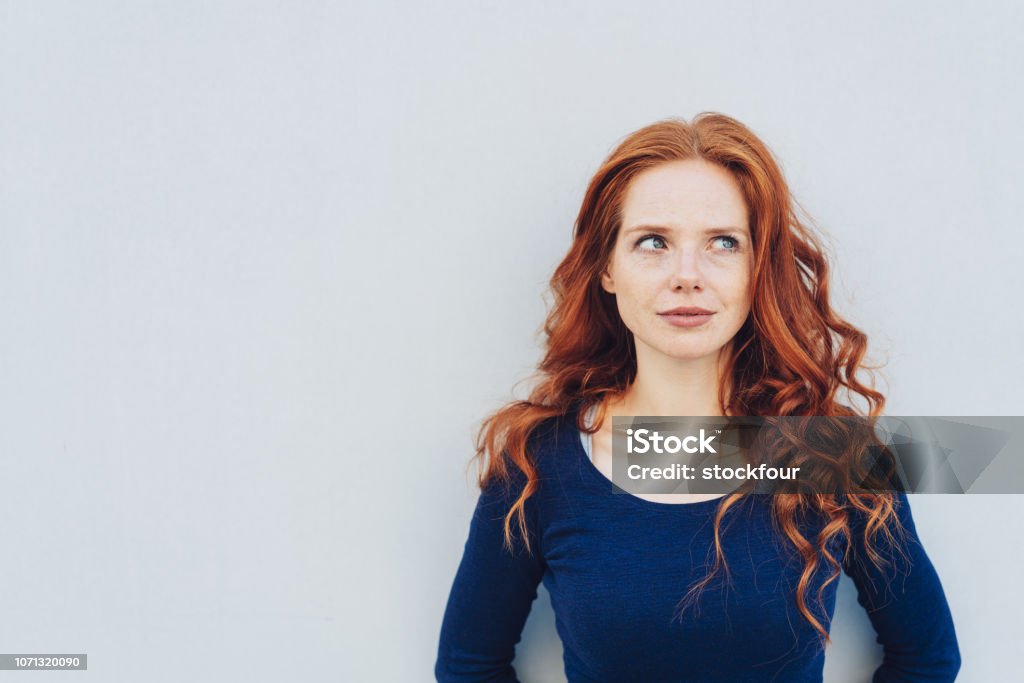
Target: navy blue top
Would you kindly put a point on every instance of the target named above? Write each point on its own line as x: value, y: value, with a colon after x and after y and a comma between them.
x: 616, y: 565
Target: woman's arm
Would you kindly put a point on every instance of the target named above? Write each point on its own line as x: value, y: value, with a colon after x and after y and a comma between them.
x: 492, y: 593
x: 906, y: 605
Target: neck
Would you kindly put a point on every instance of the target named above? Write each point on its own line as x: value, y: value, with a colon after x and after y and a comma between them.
x: 668, y: 386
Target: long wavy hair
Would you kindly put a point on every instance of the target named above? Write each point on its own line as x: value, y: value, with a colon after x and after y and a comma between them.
x: 793, y: 356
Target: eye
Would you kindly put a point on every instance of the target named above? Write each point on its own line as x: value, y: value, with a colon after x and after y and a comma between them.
x: 647, y: 238
x: 731, y: 243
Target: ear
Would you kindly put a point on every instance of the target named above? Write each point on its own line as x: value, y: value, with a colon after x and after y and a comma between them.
x: 607, y: 283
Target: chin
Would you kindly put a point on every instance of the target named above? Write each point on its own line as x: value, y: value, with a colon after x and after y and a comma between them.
x: 691, y: 353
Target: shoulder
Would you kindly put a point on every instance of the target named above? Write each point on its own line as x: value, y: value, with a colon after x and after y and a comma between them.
x: 549, y: 445
x: 553, y: 441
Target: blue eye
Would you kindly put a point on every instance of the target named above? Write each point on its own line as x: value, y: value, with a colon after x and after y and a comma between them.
x: 649, y: 237
x: 733, y: 243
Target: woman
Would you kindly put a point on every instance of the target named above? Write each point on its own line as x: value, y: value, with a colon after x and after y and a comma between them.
x: 691, y: 288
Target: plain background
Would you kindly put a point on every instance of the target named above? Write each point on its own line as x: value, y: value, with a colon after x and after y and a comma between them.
x: 265, y: 266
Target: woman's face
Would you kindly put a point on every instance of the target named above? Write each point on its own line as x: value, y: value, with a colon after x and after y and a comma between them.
x: 684, y: 242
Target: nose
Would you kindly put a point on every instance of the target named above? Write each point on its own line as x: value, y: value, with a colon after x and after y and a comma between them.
x: 686, y: 271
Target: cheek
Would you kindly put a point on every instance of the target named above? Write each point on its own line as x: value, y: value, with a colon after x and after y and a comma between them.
x: 741, y: 293
x: 732, y: 287
x: 740, y: 289
x: 640, y: 282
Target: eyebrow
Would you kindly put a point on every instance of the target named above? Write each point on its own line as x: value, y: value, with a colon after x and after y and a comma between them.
x: 706, y: 231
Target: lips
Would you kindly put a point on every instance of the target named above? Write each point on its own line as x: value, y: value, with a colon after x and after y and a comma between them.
x: 687, y: 310
x: 687, y: 317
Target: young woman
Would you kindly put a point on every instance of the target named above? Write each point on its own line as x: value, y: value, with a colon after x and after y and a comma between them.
x: 691, y: 288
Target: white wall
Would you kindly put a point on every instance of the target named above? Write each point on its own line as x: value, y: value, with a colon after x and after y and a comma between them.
x: 264, y: 266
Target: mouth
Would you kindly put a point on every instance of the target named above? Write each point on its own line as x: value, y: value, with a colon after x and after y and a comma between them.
x: 687, y: 317
x: 687, y: 310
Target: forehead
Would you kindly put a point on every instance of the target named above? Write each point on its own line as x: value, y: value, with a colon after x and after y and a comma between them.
x: 691, y: 194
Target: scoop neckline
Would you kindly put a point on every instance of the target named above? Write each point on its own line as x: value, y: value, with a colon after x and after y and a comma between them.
x: 598, y: 481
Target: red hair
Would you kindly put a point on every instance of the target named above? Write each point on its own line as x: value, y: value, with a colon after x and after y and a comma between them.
x: 792, y: 357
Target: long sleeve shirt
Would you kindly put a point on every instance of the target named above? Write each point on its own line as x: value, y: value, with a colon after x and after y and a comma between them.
x: 616, y: 566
